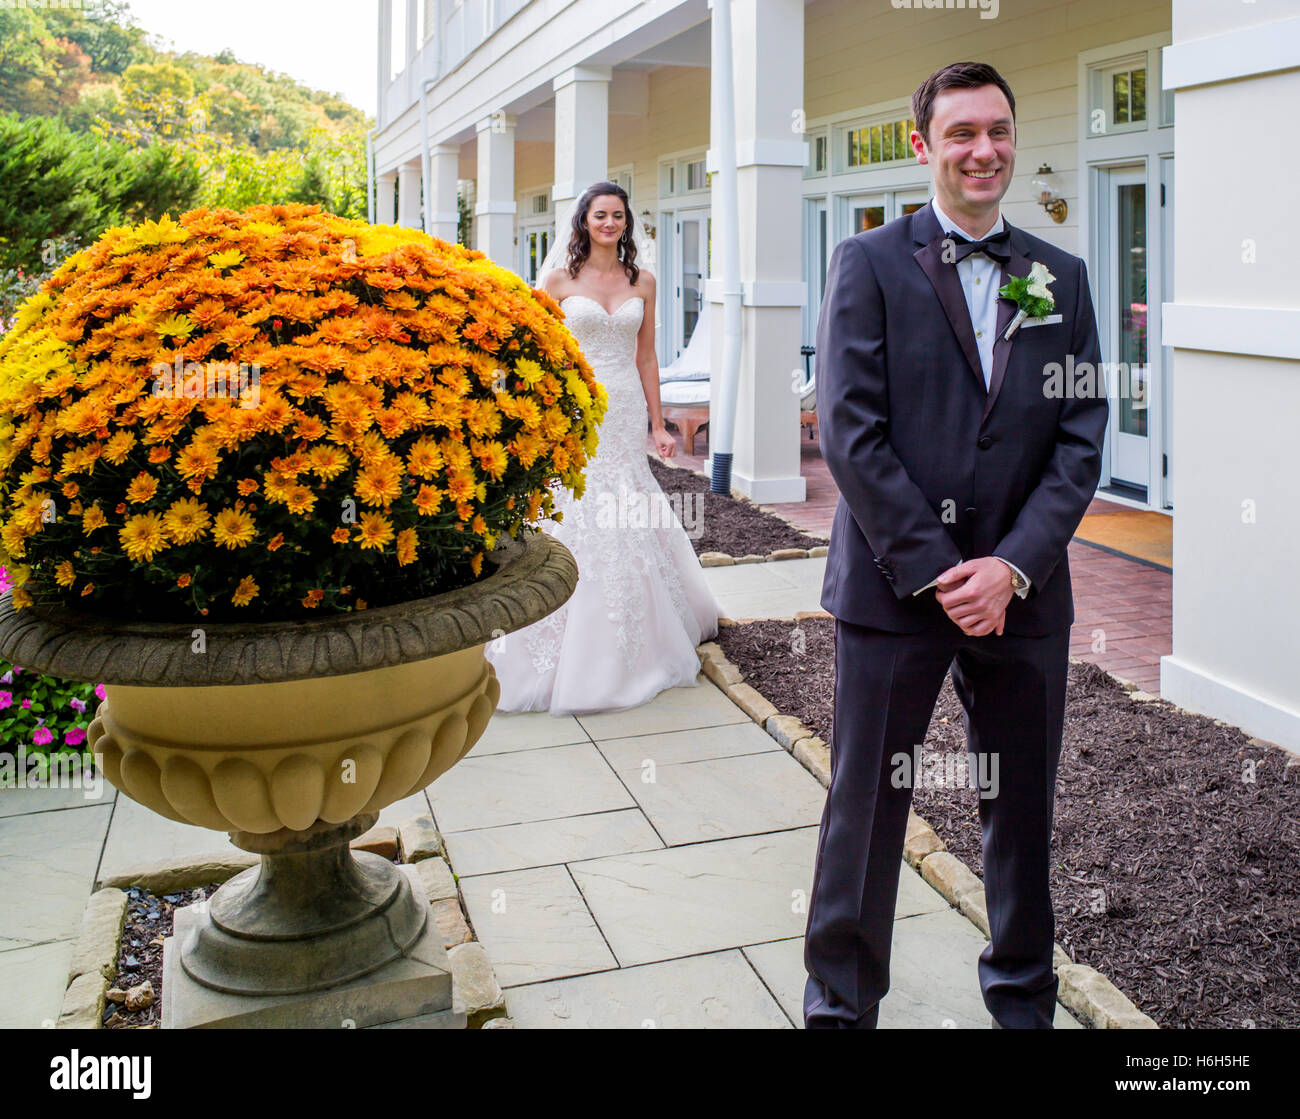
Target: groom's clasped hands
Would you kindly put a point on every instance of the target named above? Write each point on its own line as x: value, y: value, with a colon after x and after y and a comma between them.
x: 975, y: 594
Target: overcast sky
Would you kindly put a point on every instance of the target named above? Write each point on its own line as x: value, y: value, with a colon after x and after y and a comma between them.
x: 327, y: 44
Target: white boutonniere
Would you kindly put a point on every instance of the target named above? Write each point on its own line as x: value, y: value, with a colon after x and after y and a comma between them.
x: 1031, y: 295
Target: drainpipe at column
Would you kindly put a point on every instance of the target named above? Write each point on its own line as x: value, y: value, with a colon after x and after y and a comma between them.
x: 722, y: 412
x: 370, y: 175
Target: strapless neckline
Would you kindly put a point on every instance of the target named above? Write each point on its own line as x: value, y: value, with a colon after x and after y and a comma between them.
x: 598, y: 303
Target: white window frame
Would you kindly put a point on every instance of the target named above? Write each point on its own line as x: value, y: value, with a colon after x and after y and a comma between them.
x: 1149, y: 145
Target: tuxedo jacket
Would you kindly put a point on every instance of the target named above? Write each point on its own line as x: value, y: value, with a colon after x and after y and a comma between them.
x: 932, y: 467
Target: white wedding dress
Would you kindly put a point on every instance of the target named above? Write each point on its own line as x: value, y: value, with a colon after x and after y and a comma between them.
x: 642, y: 604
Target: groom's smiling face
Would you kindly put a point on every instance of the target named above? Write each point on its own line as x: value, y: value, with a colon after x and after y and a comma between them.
x: 971, y: 151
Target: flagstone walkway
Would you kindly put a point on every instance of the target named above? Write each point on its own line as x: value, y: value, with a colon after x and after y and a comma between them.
x: 640, y: 868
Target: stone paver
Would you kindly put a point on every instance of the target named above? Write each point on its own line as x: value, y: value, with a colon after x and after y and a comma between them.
x: 534, y: 925
x: 32, y: 981
x: 717, y: 798
x: 719, y: 990
x: 700, y: 898
x: 674, y: 747
x: 934, y: 983
x: 674, y: 709
x: 545, y: 842
x: 526, y: 785
x: 527, y: 731
x: 21, y: 802
x: 47, y: 870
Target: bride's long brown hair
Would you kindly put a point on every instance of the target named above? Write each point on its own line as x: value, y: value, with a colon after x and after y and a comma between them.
x: 580, y: 238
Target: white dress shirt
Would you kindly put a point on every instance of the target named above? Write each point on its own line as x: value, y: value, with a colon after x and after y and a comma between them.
x: 980, y: 277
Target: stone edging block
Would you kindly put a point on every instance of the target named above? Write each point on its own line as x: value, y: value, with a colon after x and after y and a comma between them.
x: 417, y: 840
x: 723, y: 559
x: 1083, y: 990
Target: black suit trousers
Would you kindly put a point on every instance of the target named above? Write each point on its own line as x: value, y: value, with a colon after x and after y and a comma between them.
x: 1012, y: 689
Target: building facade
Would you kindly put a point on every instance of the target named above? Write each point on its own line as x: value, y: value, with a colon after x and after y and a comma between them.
x: 518, y: 105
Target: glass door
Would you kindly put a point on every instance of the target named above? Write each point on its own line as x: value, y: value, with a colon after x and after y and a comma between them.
x: 534, y: 244
x: 816, y: 257
x: 1125, y: 342
x: 688, y: 266
x: 1165, y: 381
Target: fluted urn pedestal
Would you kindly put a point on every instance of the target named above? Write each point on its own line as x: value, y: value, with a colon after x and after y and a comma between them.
x: 292, y: 737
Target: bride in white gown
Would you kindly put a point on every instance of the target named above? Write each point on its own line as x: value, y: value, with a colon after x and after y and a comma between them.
x: 642, y: 604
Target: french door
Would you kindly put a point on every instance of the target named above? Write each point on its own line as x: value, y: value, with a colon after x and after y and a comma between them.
x: 534, y: 243
x: 1124, y: 311
x: 686, y: 265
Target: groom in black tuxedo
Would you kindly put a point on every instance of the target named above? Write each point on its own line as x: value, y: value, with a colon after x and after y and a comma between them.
x: 964, y: 467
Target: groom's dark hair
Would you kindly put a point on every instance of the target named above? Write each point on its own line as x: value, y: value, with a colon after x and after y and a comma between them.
x: 956, y: 75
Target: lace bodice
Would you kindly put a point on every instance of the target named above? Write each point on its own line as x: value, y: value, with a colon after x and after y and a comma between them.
x: 620, y: 531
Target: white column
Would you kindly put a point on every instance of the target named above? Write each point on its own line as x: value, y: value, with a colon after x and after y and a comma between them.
x: 441, y: 215
x: 385, y: 61
x: 412, y: 30
x: 386, y: 199
x: 581, y: 138
x: 495, y: 208
x: 408, y: 195
x: 767, y: 40
x: 1234, y: 326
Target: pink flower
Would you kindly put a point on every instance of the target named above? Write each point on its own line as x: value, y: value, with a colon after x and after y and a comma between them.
x: 77, y: 704
x: 75, y: 737
x: 99, y: 692
x: 42, y: 736
x: 27, y: 703
x: 6, y: 700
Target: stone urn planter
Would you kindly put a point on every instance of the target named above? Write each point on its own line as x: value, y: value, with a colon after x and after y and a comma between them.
x: 292, y: 738
x: 275, y: 478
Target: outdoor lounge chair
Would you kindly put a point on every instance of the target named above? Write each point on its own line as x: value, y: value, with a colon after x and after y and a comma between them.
x: 684, y: 387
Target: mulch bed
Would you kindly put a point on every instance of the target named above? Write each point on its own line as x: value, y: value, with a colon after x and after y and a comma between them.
x: 737, y: 528
x: 1177, y: 841
x: 148, y: 924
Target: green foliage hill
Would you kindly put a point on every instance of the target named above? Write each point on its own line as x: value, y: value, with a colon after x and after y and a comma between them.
x: 98, y: 126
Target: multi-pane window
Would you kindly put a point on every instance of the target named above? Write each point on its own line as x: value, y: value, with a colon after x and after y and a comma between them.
x: 1129, y: 96
x: 696, y: 179
x: 879, y: 143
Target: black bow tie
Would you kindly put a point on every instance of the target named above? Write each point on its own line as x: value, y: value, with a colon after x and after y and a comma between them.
x: 998, y: 246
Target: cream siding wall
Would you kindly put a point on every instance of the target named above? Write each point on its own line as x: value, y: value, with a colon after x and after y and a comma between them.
x: 852, y: 62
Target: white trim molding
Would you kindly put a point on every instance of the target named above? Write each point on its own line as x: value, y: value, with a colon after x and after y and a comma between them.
x: 763, y: 153
x: 1242, y: 53
x: 1200, y: 692
x: 762, y: 293
x: 1257, y: 331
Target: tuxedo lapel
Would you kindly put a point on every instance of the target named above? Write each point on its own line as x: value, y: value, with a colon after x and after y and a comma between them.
x: 1018, y: 265
x: 927, y: 231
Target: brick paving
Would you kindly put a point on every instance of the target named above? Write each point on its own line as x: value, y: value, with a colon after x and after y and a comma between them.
x: 1123, y: 609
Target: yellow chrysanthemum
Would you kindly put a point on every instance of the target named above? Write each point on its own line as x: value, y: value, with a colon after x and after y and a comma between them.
x: 142, y: 488
x: 374, y: 531
x: 92, y: 519
x: 142, y: 537
x: 406, y: 547
x: 186, y: 520
x: 233, y: 528
x: 228, y: 259
x: 64, y: 575
x: 245, y: 592
x: 177, y: 326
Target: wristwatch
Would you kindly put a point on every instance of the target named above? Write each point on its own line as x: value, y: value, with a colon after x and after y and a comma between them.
x: 1018, y: 581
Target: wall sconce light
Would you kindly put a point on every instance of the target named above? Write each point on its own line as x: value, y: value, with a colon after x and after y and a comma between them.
x: 1047, y: 193
x: 647, y: 224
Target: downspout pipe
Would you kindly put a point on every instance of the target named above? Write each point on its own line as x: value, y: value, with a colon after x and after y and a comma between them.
x: 370, y: 175
x: 722, y: 413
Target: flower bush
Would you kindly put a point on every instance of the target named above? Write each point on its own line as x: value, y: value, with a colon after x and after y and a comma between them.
x: 280, y: 412
x: 46, y: 715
